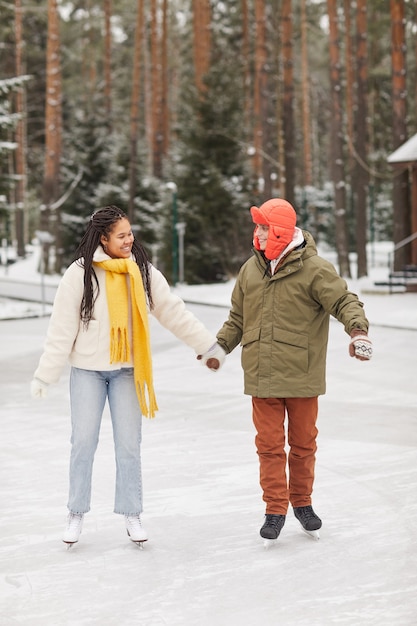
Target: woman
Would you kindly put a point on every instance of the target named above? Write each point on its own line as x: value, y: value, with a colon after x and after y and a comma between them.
x: 99, y: 323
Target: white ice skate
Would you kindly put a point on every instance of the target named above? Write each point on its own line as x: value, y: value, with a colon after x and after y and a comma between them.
x: 135, y: 530
x: 73, y: 529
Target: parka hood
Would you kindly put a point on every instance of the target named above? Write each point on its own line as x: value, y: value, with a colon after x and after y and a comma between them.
x: 310, y: 248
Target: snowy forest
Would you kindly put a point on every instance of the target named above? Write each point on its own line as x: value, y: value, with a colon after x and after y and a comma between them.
x: 185, y: 113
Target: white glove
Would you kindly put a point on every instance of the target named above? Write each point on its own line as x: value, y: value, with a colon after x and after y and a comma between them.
x: 360, y: 346
x: 213, y: 358
x: 38, y: 389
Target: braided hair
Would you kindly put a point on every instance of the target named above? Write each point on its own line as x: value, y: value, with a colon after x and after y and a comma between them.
x: 101, y: 224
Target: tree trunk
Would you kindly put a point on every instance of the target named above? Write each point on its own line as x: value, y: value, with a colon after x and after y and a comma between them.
x: 50, y: 217
x: 135, y: 100
x: 401, y: 200
x: 89, y: 60
x: 159, y: 91
x: 351, y: 105
x: 362, y: 176
x: 201, y: 41
x: 20, y: 153
x: 336, y: 142
x: 259, y: 87
x: 305, y: 85
x: 415, y: 53
x: 288, y: 101
x: 247, y: 93
x: 156, y: 92
x: 107, y: 61
x: 164, y: 117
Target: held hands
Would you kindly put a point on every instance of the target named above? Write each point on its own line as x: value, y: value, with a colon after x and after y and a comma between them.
x: 38, y: 389
x: 360, y: 345
x: 213, y: 358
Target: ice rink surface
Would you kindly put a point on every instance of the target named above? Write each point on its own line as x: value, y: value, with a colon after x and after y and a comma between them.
x: 204, y: 562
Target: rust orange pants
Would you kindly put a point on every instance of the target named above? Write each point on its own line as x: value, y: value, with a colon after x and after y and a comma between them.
x: 269, y: 419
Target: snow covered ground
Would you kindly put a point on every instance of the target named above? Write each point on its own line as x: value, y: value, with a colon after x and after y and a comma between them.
x: 204, y: 562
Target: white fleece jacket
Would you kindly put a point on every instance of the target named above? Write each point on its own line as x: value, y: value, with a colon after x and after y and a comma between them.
x: 68, y: 340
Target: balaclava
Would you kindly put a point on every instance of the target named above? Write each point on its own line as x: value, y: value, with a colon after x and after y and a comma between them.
x: 281, y: 218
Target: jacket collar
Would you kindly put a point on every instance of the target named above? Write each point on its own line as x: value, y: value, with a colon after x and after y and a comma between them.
x: 297, y: 240
x: 302, y: 247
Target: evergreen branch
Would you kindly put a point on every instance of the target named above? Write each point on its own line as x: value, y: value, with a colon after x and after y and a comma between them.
x: 58, y: 203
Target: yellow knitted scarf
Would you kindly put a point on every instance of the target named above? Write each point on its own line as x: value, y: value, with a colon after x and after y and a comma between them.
x: 118, y: 305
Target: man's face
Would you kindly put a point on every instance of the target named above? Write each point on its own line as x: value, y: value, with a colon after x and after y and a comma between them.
x: 261, y: 231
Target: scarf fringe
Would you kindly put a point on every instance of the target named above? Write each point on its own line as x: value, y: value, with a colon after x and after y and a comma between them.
x: 147, y: 406
x: 119, y: 345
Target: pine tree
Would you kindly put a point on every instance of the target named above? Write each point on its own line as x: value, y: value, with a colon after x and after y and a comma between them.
x: 9, y: 121
x: 361, y: 173
x: 401, y: 199
x: 212, y: 177
x: 337, y: 152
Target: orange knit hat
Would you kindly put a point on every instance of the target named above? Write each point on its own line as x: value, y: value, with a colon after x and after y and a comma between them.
x: 281, y: 218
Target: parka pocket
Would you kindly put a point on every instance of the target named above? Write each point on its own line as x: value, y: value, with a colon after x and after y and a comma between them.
x: 292, y: 349
x: 250, y: 336
x: 291, y: 338
x: 250, y: 352
x: 87, y: 339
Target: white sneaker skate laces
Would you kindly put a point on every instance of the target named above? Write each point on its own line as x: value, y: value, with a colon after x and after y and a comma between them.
x: 135, y: 529
x: 74, y: 526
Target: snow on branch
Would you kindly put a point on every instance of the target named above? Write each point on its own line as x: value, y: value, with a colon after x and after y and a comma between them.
x: 9, y: 84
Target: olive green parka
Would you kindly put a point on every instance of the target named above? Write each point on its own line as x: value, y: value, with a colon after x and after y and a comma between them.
x: 282, y: 321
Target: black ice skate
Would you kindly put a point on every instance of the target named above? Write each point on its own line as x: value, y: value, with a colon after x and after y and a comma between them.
x: 272, y: 527
x: 309, y: 521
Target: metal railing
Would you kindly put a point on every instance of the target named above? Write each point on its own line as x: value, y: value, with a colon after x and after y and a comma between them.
x: 409, y: 271
x: 398, y: 246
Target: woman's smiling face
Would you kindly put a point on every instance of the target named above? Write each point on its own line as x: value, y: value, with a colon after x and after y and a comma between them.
x: 118, y: 245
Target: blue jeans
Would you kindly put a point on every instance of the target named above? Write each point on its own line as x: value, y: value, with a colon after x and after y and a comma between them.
x: 89, y: 391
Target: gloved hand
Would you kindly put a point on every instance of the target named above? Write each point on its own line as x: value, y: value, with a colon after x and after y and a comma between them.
x: 213, y: 358
x: 38, y: 389
x: 360, y: 345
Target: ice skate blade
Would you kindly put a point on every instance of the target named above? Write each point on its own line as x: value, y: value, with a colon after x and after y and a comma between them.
x: 69, y: 544
x: 314, y: 534
x: 139, y: 544
x: 268, y: 543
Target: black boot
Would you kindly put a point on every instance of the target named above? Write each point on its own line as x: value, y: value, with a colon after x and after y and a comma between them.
x: 307, y: 518
x: 272, y: 526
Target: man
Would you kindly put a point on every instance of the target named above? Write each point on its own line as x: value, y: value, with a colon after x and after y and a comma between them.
x: 281, y: 305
